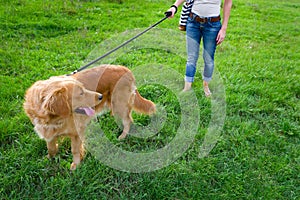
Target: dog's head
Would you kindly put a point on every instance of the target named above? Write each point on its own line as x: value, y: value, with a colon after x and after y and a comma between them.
x: 60, y: 96
x: 69, y: 96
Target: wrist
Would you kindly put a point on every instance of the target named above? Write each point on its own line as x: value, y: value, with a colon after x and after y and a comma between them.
x: 224, y: 28
x: 176, y: 8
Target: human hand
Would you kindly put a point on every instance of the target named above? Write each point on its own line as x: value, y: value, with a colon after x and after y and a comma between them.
x: 221, y: 36
x: 171, y: 12
x: 168, y: 14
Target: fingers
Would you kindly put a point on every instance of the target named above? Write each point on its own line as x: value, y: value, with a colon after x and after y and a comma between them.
x: 168, y: 14
x: 173, y: 11
x: 219, y: 40
x: 220, y: 37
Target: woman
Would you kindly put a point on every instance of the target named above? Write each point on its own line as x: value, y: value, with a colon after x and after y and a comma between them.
x: 204, y: 23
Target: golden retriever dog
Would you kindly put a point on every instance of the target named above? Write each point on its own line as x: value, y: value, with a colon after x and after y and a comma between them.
x: 55, y: 108
x: 64, y: 105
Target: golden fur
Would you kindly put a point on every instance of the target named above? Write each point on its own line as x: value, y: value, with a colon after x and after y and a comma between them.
x: 64, y: 105
x: 51, y: 106
x: 117, y: 85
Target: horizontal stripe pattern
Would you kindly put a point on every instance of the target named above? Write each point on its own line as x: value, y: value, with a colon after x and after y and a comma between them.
x: 186, y: 10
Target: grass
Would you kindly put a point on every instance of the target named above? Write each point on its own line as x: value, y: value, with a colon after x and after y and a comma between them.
x: 257, y: 156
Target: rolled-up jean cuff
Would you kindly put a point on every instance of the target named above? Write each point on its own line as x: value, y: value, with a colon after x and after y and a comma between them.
x: 206, y: 79
x: 189, y: 79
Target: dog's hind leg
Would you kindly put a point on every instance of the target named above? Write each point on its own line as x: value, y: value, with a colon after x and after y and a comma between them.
x: 127, y: 120
x: 123, y: 110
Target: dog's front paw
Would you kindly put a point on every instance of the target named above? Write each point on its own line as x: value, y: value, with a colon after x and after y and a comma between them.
x: 122, y: 136
x: 50, y: 156
x: 52, y: 150
x: 73, y: 166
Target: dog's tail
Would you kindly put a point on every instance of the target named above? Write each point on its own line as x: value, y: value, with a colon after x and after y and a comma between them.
x: 143, y: 105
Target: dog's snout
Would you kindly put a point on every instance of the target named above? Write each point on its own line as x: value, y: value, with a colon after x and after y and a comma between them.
x: 100, y: 97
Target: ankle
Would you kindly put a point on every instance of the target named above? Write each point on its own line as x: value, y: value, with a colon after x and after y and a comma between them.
x: 205, y: 83
x: 187, y: 86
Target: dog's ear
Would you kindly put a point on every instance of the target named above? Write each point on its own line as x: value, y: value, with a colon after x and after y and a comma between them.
x: 57, y: 103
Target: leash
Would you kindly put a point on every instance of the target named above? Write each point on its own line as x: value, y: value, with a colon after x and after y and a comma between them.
x: 167, y: 15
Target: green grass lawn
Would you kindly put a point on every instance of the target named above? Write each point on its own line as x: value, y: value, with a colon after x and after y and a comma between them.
x: 257, y: 153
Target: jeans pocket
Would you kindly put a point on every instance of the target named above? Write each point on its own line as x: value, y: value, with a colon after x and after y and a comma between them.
x: 215, y: 25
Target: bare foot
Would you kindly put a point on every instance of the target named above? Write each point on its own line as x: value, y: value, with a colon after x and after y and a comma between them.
x: 206, y: 89
x: 187, y: 86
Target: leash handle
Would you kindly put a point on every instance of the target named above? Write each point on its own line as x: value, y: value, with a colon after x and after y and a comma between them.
x: 167, y: 15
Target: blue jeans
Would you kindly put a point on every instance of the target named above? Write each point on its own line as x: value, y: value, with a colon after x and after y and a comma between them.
x: 195, y: 31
